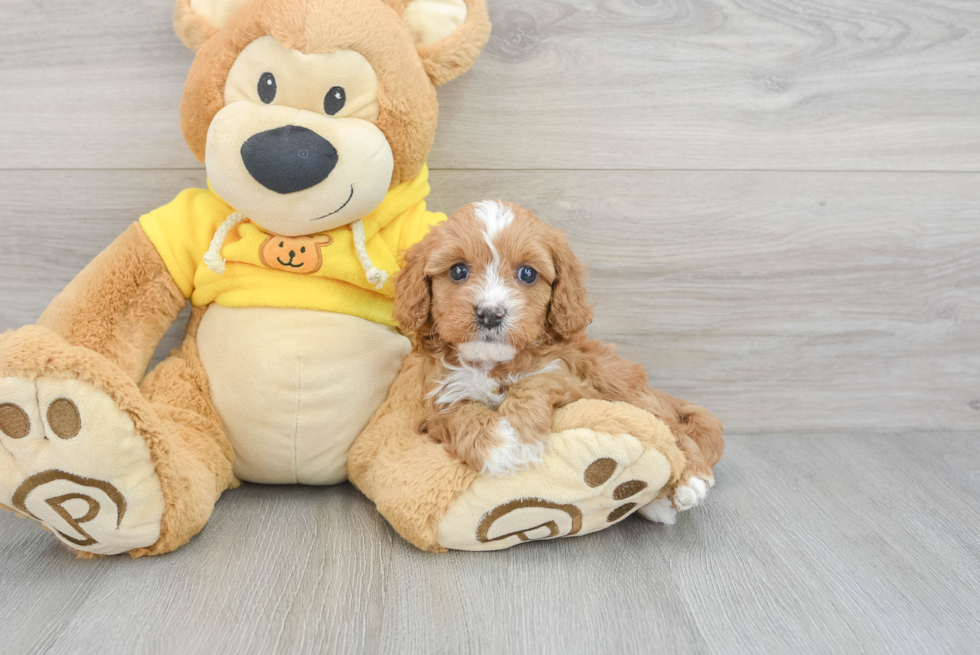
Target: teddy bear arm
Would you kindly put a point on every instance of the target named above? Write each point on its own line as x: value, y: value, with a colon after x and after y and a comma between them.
x: 120, y: 305
x: 410, y: 478
x: 603, y: 461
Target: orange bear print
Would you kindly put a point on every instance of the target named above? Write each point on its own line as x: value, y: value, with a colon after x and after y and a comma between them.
x: 294, y: 254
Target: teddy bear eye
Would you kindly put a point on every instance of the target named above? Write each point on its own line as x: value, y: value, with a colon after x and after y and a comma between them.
x: 303, y: 249
x: 527, y: 275
x: 335, y: 100
x: 267, y: 88
x: 459, y: 272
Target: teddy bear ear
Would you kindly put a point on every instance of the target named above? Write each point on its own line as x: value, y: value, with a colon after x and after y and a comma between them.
x: 449, y: 34
x: 196, y: 21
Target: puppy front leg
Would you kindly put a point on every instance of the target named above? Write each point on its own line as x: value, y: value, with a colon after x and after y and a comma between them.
x: 504, y: 441
x: 526, y: 416
x: 481, y: 438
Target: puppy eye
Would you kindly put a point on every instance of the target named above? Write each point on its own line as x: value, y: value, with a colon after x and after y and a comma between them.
x: 267, y: 88
x: 527, y: 275
x: 335, y: 100
x: 459, y: 272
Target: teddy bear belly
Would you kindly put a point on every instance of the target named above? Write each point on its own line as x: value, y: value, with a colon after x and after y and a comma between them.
x: 295, y: 387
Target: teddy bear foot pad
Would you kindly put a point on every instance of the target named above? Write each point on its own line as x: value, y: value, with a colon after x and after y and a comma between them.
x: 587, y: 481
x: 71, y: 459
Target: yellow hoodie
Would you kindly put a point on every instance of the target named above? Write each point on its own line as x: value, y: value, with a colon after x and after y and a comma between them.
x: 265, y: 270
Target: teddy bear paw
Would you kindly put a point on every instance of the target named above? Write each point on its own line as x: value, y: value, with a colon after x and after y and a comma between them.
x: 586, y: 481
x: 72, y: 460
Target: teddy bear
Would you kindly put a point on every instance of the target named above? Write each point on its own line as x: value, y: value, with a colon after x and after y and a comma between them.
x: 314, y: 119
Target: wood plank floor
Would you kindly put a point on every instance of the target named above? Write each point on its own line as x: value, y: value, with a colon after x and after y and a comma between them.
x: 812, y: 543
x: 779, y: 202
x: 566, y: 84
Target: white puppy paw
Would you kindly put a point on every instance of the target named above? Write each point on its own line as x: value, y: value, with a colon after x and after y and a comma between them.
x: 659, y: 511
x: 692, y: 493
x: 511, y: 454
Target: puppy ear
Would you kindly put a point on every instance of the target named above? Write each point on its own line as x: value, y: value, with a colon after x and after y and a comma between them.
x: 569, y: 312
x: 196, y: 21
x: 449, y: 34
x: 413, y: 295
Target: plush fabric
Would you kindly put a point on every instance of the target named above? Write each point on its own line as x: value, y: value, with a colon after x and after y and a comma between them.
x: 95, y: 340
x: 296, y: 426
x: 284, y: 358
x: 407, y: 99
x: 79, y: 465
x: 436, y: 502
x: 120, y: 305
x: 171, y: 412
x: 182, y: 231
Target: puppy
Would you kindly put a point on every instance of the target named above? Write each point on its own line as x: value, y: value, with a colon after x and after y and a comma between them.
x: 496, y: 301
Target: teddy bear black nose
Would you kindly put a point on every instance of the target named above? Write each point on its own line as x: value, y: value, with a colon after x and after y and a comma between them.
x: 288, y: 159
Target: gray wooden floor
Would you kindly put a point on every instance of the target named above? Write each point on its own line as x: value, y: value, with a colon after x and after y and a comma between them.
x: 814, y: 543
x: 780, y: 204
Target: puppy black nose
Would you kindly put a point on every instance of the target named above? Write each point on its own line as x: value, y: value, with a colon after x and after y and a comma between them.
x: 288, y: 159
x: 490, y: 317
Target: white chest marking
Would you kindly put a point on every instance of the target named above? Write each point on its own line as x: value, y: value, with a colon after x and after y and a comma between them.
x: 466, y: 382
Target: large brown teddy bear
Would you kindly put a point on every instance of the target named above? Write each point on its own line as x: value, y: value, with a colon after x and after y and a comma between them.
x: 314, y: 119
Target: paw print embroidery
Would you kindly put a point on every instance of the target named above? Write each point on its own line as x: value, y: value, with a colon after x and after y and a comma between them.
x: 599, y: 473
x: 65, y: 423
x: 536, y: 518
x: 93, y: 494
x: 552, y: 516
x: 294, y: 254
x: 586, y: 481
x: 73, y: 460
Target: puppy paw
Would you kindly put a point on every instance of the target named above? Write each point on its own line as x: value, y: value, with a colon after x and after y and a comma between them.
x: 691, y: 493
x: 434, y: 427
x: 659, y: 511
x: 511, y: 454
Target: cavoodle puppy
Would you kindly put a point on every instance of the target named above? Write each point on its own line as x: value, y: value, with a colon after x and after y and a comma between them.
x: 496, y: 300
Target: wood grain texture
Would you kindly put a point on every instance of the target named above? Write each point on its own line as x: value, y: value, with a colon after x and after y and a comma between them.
x: 810, y: 543
x: 563, y: 84
x: 782, y: 301
x: 832, y: 319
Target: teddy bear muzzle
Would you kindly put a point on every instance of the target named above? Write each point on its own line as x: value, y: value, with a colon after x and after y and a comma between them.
x: 289, y: 159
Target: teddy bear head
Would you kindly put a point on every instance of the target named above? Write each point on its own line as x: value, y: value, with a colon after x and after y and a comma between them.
x: 306, y: 112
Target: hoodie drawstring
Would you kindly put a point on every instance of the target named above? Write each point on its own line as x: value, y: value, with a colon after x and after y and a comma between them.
x: 375, y: 275
x: 212, y: 258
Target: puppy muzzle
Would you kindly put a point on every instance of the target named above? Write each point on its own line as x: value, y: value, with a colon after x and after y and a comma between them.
x: 489, y: 317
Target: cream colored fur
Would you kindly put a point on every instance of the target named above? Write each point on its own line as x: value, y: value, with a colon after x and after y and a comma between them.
x: 97, y: 337
x: 432, y: 21
x: 107, y: 448
x: 295, y: 387
x: 559, y: 480
x: 216, y: 12
x: 160, y: 440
